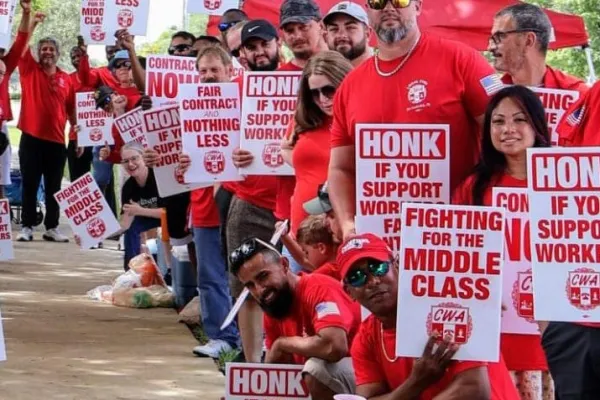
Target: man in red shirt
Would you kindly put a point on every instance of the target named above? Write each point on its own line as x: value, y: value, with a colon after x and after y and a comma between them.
x: 308, y: 318
x: 415, y: 78
x: 370, y: 273
x: 347, y: 31
x: 519, y: 43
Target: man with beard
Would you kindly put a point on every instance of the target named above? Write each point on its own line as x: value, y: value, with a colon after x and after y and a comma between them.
x: 308, y: 318
x: 261, y: 44
x: 414, y: 78
x: 370, y: 273
x: 347, y: 31
x: 519, y: 43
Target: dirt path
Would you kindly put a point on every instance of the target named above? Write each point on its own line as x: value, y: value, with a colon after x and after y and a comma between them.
x: 60, y: 345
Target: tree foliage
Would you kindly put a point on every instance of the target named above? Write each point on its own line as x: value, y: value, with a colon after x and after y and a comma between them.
x: 196, y: 25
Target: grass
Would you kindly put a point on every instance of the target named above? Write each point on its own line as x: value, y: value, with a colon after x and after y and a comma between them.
x: 224, y: 356
x: 15, y: 136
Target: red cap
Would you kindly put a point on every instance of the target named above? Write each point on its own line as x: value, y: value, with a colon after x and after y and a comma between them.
x: 360, y: 247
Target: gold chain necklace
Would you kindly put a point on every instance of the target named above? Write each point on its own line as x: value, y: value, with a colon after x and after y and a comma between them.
x: 390, y: 359
x: 388, y: 74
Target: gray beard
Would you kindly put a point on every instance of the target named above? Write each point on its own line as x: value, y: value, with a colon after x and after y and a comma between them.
x: 392, y: 35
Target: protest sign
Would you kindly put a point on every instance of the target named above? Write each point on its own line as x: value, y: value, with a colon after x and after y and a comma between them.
x: 93, y: 26
x: 556, y: 102
x: 129, y: 126
x: 396, y: 163
x: 128, y: 14
x: 88, y: 213
x: 210, y: 122
x: 269, y: 102
x: 6, y: 37
x: 6, y: 244
x: 238, y: 70
x: 211, y: 7
x: 450, y: 279
x: 6, y: 8
x: 517, y: 281
x: 564, y: 185
x: 248, y: 381
x: 164, y: 74
x: 95, y: 125
x: 163, y: 134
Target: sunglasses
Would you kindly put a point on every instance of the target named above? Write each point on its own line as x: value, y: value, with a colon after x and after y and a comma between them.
x: 126, y: 64
x: 247, y: 250
x: 499, y: 36
x: 223, y: 26
x: 380, y: 4
x: 358, y: 277
x: 179, y: 48
x: 327, y: 91
x: 235, y: 52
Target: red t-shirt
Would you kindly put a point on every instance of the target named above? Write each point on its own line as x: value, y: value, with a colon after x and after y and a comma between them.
x: 205, y: 213
x: 372, y: 365
x: 94, y: 77
x: 329, y: 269
x: 319, y: 302
x: 555, y: 79
x: 11, y: 60
x: 78, y: 87
x: 521, y: 352
x: 311, y: 163
x: 46, y: 100
x: 115, y: 153
x: 451, y: 81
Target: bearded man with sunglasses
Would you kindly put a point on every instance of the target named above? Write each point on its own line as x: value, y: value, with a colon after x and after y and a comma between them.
x: 308, y: 318
x: 370, y: 273
x: 414, y: 79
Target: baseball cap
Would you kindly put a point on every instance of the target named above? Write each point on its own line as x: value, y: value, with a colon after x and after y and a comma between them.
x: 101, y: 95
x: 119, y: 55
x: 260, y: 29
x: 348, y: 8
x: 320, y: 204
x: 300, y: 11
x: 360, y: 247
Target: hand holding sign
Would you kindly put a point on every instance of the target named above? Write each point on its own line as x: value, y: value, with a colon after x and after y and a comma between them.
x: 242, y: 158
x: 104, y: 152
x: 151, y: 157
x: 432, y: 366
x: 185, y: 162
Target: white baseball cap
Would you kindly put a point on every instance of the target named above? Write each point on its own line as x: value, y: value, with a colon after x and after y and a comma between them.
x: 348, y: 8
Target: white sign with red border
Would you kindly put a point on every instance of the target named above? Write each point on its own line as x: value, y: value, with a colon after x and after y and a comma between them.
x: 210, y: 122
x: 164, y: 74
x: 211, y: 7
x: 564, y: 186
x: 6, y: 7
x: 88, y: 213
x: 517, y: 284
x: 95, y: 125
x: 556, y: 102
x: 128, y: 14
x: 268, y: 106
x: 129, y: 126
x: 246, y: 381
x: 6, y: 241
x: 6, y: 37
x: 451, y: 279
x: 94, y: 27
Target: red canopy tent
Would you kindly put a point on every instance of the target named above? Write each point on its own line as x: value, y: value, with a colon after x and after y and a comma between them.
x: 467, y: 21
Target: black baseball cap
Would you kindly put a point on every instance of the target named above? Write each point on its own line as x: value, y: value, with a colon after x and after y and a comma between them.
x: 259, y: 29
x: 300, y: 11
x: 102, y: 96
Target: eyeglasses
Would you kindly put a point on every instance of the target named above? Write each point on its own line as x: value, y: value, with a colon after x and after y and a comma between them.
x: 223, y: 26
x: 133, y: 159
x: 126, y: 64
x: 380, y: 4
x: 247, y: 250
x: 327, y: 91
x: 180, y: 48
x: 358, y: 277
x: 499, y: 36
x: 235, y: 52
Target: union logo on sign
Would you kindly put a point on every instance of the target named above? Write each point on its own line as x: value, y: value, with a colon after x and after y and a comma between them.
x: 212, y: 4
x: 583, y: 288
x: 522, y: 295
x: 179, y: 177
x: 451, y: 321
x: 96, y: 135
x: 214, y: 162
x: 97, y: 34
x: 125, y: 18
x: 272, y: 155
x: 96, y: 228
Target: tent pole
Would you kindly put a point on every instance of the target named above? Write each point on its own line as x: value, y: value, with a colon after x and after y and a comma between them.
x: 590, y: 61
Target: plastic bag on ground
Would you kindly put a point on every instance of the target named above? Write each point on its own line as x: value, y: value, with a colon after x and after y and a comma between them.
x: 143, y: 297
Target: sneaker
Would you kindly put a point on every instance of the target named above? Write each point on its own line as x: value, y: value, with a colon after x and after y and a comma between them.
x: 53, y: 235
x: 26, y: 235
x: 212, y: 348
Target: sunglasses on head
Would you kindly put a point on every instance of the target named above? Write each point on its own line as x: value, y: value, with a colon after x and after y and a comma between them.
x: 104, y: 102
x: 179, y: 48
x: 358, y: 277
x: 125, y: 64
x: 235, y: 52
x: 327, y: 91
x: 247, y: 250
x: 380, y: 4
x: 223, y: 26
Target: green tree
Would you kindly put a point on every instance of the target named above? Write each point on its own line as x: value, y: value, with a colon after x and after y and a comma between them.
x: 197, y: 26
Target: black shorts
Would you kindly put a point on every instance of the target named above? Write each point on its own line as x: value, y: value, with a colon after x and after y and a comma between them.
x: 573, y: 354
x: 177, y: 219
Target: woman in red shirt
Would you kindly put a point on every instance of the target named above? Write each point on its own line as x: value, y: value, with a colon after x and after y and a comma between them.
x: 308, y: 148
x: 514, y: 121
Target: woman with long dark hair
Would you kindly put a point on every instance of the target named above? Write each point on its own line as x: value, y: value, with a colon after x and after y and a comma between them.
x: 515, y: 120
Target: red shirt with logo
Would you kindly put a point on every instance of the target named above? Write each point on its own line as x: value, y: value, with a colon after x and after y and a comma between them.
x: 204, y: 210
x: 373, y: 357
x: 46, y: 100
x: 555, y: 79
x: 11, y: 60
x: 443, y: 82
x: 319, y: 303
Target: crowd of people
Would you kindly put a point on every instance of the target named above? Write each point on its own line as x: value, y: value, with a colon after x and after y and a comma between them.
x: 306, y: 294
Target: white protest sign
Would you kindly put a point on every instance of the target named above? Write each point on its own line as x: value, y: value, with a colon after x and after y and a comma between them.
x: 564, y: 189
x: 247, y: 381
x: 268, y: 105
x: 88, y: 213
x: 6, y: 37
x: 211, y: 7
x: 556, y: 102
x: 238, y: 70
x: 93, y: 26
x: 6, y: 7
x: 164, y: 74
x: 398, y: 163
x: 129, y: 126
x: 163, y: 134
x: 6, y: 243
x: 95, y: 125
x: 450, y: 279
x: 517, y: 286
x: 210, y: 122
x: 128, y: 14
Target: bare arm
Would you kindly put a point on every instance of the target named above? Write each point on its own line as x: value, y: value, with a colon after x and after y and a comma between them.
x: 329, y: 344
x: 472, y: 384
x: 137, y: 70
x: 342, y: 187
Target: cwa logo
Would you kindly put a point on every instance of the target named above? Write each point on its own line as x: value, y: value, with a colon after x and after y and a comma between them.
x: 212, y: 4
x: 583, y: 288
x: 450, y: 320
x: 272, y: 155
x: 96, y: 228
x: 97, y: 34
x: 125, y: 18
x: 96, y: 135
x: 214, y: 162
x: 522, y: 295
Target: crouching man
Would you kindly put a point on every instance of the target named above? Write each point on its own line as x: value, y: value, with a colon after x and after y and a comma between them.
x: 308, y: 318
x: 370, y: 274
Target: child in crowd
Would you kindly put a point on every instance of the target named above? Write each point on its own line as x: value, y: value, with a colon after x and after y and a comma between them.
x: 316, y: 240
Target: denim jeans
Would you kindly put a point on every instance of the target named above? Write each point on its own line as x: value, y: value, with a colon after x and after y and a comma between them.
x: 132, y: 237
x: 213, y: 286
x: 102, y: 169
